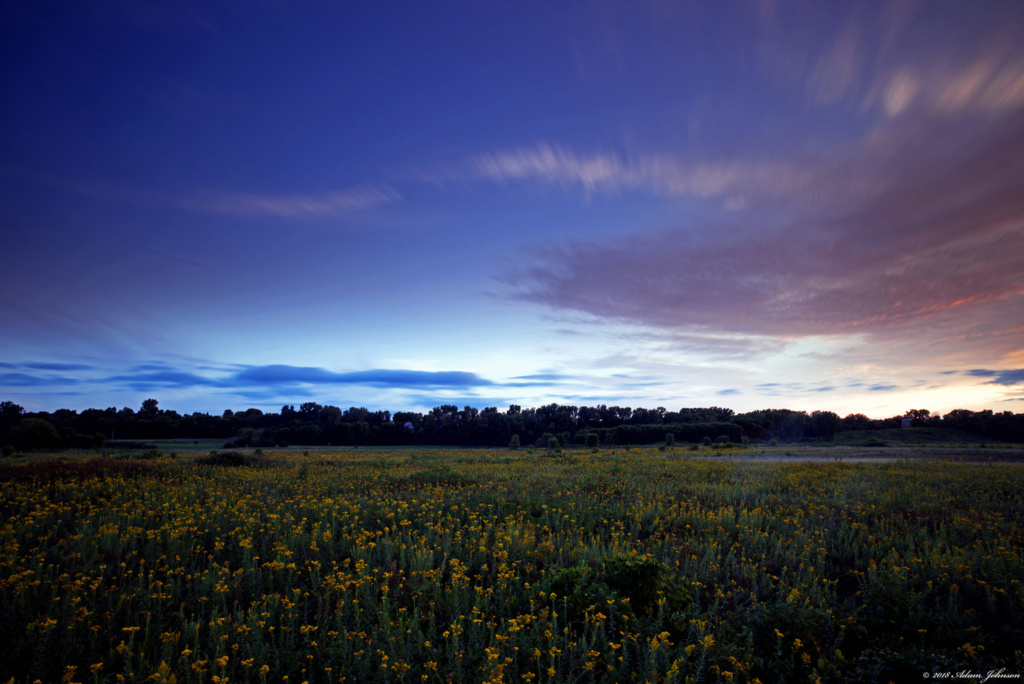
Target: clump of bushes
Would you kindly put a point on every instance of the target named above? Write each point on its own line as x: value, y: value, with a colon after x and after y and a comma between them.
x: 233, y: 459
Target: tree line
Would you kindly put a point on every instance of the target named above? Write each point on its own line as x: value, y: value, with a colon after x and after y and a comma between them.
x: 315, y: 425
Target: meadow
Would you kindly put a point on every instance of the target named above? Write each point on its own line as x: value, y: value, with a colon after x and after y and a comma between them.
x: 472, y: 565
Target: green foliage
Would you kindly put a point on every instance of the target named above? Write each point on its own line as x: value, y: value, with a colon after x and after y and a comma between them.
x: 578, y: 587
x: 460, y: 566
x: 592, y: 441
x: 35, y: 433
x: 641, y: 580
x: 670, y: 439
x: 514, y: 442
x: 707, y: 441
x: 825, y: 424
x: 233, y: 459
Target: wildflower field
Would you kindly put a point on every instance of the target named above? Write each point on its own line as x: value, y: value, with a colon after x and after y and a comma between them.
x: 467, y: 565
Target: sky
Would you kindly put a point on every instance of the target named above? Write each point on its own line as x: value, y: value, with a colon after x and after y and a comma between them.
x: 762, y: 204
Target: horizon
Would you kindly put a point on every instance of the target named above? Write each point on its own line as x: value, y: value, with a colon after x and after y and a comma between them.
x: 279, y: 410
x: 645, y: 205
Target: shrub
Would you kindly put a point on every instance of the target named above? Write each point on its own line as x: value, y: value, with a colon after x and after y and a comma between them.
x: 670, y: 439
x: 514, y: 442
x: 232, y: 459
x: 592, y: 440
x: 640, y: 580
x: 35, y: 433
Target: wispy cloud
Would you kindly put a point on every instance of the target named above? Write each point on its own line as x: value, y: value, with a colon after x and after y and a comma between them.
x: 189, y: 374
x: 30, y: 380
x: 331, y: 204
x: 1000, y: 377
x: 334, y: 203
x: 60, y: 366
x: 736, y: 182
x: 164, y: 379
x: 286, y: 375
x: 49, y: 366
x: 944, y: 231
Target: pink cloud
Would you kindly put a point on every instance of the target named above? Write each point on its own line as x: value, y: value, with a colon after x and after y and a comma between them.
x: 934, y: 224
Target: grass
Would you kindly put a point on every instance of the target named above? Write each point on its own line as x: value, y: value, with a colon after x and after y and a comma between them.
x: 921, y: 436
x: 449, y: 565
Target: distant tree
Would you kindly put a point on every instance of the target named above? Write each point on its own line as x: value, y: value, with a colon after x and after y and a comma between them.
x: 919, y: 417
x: 592, y: 440
x: 10, y: 410
x: 856, y: 421
x: 310, y: 411
x: 245, y: 436
x: 330, y: 417
x: 825, y: 424
x: 35, y: 433
x: 251, y: 416
x: 670, y: 439
x: 514, y: 442
x: 10, y: 416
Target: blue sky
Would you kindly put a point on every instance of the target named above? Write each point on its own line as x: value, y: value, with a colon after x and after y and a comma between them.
x: 746, y: 204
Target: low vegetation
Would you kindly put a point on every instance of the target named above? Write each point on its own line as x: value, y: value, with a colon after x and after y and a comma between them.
x: 473, y: 565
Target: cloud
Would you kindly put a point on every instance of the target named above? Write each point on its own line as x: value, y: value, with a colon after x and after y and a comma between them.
x: 48, y: 366
x: 736, y: 182
x: 332, y: 204
x: 27, y: 380
x: 336, y: 203
x: 882, y: 388
x: 164, y: 379
x: 288, y: 375
x: 941, y: 229
x: 1000, y: 377
x: 247, y: 381
x: 59, y: 366
x: 554, y: 377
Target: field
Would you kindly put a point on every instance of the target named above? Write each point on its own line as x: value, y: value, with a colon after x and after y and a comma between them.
x: 465, y: 565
